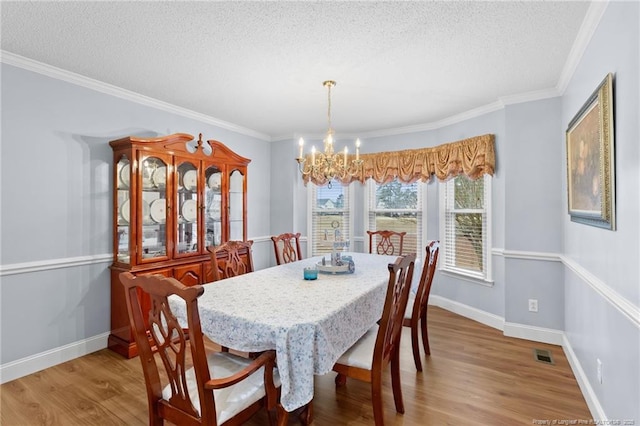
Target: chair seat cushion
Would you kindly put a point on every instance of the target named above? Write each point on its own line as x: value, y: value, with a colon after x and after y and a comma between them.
x: 229, y: 401
x: 417, y: 273
x: 409, y: 310
x: 361, y: 353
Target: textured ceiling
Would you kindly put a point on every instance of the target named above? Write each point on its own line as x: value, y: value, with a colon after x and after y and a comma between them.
x: 260, y: 65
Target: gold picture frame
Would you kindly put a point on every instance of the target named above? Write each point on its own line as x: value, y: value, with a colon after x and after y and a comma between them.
x: 590, y: 160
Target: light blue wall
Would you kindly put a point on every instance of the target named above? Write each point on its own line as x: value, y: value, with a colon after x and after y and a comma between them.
x: 532, y: 165
x: 602, y: 289
x: 56, y: 203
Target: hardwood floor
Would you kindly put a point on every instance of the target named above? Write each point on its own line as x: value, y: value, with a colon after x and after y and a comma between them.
x: 474, y: 376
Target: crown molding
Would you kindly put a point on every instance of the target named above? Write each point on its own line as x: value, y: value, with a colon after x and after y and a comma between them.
x: 530, y: 96
x: 587, y: 29
x: 109, y: 89
x: 473, y: 113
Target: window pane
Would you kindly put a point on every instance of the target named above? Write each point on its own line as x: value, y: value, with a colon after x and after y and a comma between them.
x: 465, y: 226
x: 396, y: 206
x: 469, y: 194
x: 330, y: 198
x: 395, y: 195
x: 400, y: 222
x: 468, y: 243
x: 330, y: 218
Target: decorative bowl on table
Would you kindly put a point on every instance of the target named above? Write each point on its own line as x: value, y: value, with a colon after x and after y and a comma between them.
x: 343, y: 266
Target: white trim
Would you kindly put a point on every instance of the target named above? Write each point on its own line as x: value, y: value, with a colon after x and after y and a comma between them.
x: 309, y: 192
x: 466, y: 277
x: 458, y: 118
x: 531, y: 255
x: 536, y: 95
x: 352, y: 219
x: 597, y: 412
x: 467, y: 311
x: 109, y: 89
x: 536, y: 334
x: 618, y: 301
x: 261, y: 239
x: 586, y: 31
x: 47, y: 265
x: 488, y: 214
x: 34, y: 363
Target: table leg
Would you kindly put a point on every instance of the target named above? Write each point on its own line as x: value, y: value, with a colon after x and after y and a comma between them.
x: 306, y: 415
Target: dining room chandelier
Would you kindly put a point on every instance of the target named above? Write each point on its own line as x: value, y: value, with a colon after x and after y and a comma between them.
x: 327, y: 165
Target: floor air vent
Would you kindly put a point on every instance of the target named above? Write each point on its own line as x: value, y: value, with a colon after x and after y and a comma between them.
x: 543, y: 355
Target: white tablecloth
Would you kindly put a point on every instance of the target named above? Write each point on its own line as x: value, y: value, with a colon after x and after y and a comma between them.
x: 310, y: 324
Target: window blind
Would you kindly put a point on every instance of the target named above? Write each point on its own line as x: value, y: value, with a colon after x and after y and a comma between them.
x: 330, y: 217
x: 466, y: 227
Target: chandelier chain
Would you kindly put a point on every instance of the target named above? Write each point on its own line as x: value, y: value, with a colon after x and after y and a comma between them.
x: 329, y: 103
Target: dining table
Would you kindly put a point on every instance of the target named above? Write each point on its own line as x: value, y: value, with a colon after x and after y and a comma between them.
x: 309, y: 323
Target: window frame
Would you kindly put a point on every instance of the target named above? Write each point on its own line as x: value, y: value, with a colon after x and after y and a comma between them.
x: 485, y: 277
x: 420, y: 210
x: 311, y: 193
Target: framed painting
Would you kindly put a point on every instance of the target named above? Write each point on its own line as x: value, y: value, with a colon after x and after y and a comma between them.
x: 590, y: 160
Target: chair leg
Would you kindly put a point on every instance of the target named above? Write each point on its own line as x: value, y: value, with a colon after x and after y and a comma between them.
x: 395, y: 382
x: 282, y: 415
x: 376, y: 401
x: 306, y: 416
x: 415, y: 344
x: 425, y: 333
x: 341, y: 379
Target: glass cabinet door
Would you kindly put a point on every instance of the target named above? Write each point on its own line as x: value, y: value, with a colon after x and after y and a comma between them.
x: 123, y: 213
x: 236, y: 205
x: 213, y: 206
x: 187, y: 204
x: 153, y: 208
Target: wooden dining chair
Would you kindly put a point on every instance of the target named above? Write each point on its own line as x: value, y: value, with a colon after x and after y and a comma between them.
x: 368, y: 357
x: 386, y: 245
x: 220, y: 388
x: 283, y: 246
x: 415, y: 315
x: 230, y: 259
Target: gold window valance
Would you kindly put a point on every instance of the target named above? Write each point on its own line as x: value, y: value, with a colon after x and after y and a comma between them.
x: 472, y: 157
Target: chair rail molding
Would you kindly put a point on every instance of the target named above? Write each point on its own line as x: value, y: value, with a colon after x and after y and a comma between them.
x: 626, y: 307
x: 50, y: 264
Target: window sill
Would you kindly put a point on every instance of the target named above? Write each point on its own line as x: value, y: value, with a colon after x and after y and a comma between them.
x: 468, y: 278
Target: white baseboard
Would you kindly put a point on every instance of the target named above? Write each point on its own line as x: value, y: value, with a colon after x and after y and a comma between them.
x: 23, y: 367
x: 467, y: 311
x: 536, y: 334
x: 585, y: 387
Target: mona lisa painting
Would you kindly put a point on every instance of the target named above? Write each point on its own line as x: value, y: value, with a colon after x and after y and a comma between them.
x: 590, y: 160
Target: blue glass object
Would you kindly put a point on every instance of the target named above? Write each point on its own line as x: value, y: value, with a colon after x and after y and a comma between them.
x: 310, y: 273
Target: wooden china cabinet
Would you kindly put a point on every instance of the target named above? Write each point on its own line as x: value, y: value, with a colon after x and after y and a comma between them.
x: 174, y: 196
